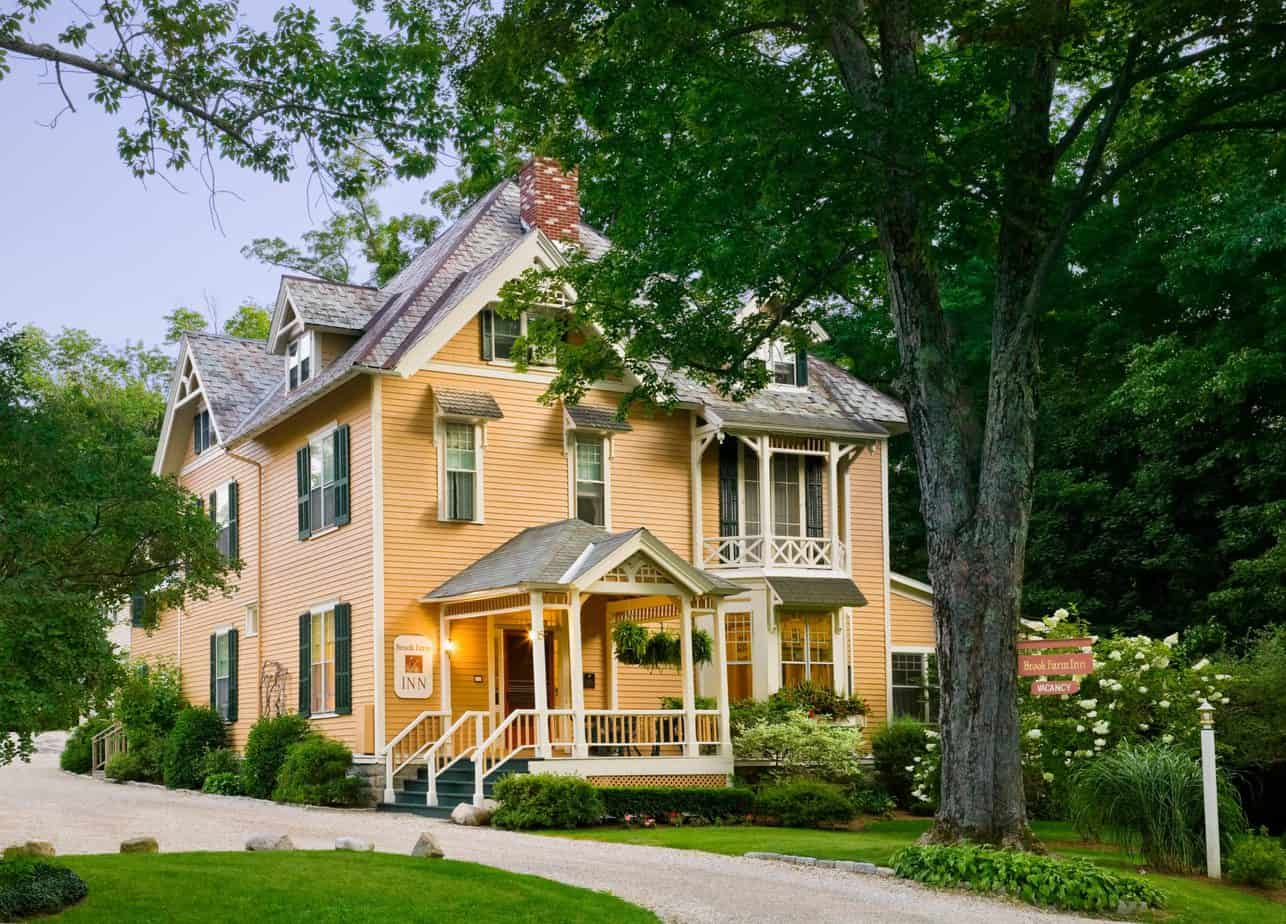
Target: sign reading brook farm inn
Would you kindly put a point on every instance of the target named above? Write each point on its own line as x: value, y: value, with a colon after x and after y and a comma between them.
x: 412, y: 667
x: 1043, y: 664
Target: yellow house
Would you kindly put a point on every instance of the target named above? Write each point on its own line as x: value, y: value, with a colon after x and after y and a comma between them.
x: 435, y: 563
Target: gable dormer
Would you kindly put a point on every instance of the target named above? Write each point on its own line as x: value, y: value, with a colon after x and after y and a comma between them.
x: 189, y: 429
x: 314, y: 322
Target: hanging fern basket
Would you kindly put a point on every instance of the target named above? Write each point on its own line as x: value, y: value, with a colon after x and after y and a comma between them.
x: 655, y: 650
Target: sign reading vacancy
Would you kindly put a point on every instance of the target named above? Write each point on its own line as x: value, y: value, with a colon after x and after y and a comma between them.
x: 412, y: 667
x: 1042, y: 663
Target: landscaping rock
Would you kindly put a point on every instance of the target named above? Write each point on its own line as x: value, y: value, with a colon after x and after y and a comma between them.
x: 139, y: 845
x: 269, y: 842
x: 353, y: 843
x: 474, y: 816
x: 762, y: 855
x: 427, y: 847
x: 886, y: 871
x: 825, y: 864
x: 41, y: 849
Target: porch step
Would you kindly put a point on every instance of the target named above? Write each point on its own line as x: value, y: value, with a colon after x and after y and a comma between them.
x: 455, y: 785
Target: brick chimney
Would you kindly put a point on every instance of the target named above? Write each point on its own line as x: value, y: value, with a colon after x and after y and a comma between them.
x: 549, y: 199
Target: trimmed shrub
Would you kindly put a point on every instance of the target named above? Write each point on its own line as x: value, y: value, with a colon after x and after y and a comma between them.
x: 265, y: 751
x: 197, y: 731
x: 316, y: 773
x: 222, y: 760
x: 546, y: 800
x: 894, y: 748
x: 29, y: 888
x: 128, y: 767
x: 873, y: 802
x: 798, y: 746
x: 1257, y: 861
x: 805, y: 804
x: 149, y: 701
x: 77, y: 756
x: 700, y: 702
x: 1072, y: 885
x: 222, y: 784
x: 1148, y: 798
x: 658, y: 802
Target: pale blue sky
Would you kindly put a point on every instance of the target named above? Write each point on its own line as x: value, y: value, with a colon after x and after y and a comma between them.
x: 85, y: 244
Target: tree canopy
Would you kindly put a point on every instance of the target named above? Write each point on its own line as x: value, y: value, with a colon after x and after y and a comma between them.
x: 84, y: 524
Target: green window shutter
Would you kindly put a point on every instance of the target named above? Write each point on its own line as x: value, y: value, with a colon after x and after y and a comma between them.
x: 341, y: 475
x: 728, y: 518
x: 234, y: 543
x: 813, y: 496
x: 801, y: 367
x: 487, y: 328
x: 137, y: 609
x: 343, y: 658
x: 232, y: 675
x: 302, y: 471
x: 214, y: 660
x: 305, y: 663
x: 214, y: 507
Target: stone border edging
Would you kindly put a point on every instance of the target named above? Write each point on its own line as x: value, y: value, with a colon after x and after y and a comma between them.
x: 847, y: 866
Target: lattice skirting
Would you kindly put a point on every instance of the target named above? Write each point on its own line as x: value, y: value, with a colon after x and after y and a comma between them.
x: 673, y: 780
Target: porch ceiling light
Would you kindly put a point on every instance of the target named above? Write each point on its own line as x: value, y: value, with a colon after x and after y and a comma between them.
x: 448, y: 646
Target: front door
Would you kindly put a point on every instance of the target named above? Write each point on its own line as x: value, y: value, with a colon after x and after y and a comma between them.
x: 519, y: 680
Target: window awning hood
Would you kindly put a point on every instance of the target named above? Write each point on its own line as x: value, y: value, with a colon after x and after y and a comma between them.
x: 815, y: 593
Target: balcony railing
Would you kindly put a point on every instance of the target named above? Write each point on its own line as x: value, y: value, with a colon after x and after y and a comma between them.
x: 811, y: 552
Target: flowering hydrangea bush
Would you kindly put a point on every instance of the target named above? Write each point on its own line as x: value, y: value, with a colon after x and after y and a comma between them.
x: 1139, y: 691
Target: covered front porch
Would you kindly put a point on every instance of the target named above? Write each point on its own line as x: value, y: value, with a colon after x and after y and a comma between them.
x: 530, y: 678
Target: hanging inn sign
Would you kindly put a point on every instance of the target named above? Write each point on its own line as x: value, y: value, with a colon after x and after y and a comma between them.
x: 1046, y: 657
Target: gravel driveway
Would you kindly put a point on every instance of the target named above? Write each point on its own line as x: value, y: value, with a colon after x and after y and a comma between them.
x: 81, y: 815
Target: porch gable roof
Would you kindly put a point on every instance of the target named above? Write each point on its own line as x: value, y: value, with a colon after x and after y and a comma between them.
x: 558, y: 554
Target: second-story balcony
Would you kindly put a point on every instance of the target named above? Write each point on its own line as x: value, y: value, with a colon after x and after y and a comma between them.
x: 819, y: 553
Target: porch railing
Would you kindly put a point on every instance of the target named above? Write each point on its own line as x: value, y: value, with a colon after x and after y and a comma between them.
x: 456, y: 743
x: 107, y: 744
x: 419, y: 735
x: 812, y: 552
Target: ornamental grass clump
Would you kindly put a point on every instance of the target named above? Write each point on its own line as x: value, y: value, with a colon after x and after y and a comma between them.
x: 1072, y: 885
x: 1148, y: 799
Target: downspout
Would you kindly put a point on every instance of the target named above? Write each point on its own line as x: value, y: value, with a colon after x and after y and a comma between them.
x: 259, y: 614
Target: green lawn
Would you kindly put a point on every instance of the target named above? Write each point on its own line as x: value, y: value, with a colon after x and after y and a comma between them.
x: 325, y: 886
x: 1190, y: 899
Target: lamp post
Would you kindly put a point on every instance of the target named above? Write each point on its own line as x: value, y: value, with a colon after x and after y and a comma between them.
x: 1210, y: 788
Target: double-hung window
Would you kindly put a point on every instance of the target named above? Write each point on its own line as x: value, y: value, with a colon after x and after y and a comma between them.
x: 591, y: 480
x: 915, y: 685
x: 322, y: 662
x: 223, y: 511
x: 300, y: 363
x: 787, y: 367
x: 736, y: 633
x: 321, y: 481
x: 201, y: 438
x: 461, y: 469
x: 807, y: 650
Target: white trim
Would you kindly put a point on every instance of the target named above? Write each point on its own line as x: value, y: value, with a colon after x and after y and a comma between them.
x: 910, y: 588
x: 245, y: 620
x: 204, y: 459
x: 888, y: 607
x: 325, y: 431
x: 914, y: 649
x: 924, y: 672
x: 171, y: 406
x: 607, y: 475
x: 324, y: 607
x: 440, y: 422
x: 631, y: 766
x: 377, y: 528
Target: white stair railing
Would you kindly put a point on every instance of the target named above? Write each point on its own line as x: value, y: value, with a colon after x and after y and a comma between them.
x: 107, y: 744
x: 517, y: 733
x: 408, y: 744
x: 457, y: 742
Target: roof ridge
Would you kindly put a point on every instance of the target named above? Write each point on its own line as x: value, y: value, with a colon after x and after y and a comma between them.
x: 330, y: 282
x: 217, y: 336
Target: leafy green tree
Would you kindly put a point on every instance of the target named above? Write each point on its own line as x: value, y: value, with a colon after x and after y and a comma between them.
x: 182, y: 321
x: 84, y: 525
x: 250, y: 321
x: 797, y: 155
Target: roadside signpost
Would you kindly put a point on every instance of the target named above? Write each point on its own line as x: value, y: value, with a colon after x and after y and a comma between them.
x: 1070, y: 656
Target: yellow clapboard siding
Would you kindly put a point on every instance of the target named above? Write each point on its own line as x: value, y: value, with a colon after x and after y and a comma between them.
x: 912, y: 620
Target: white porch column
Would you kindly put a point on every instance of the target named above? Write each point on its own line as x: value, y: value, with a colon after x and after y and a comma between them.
x: 766, y: 516
x: 538, y: 674
x: 698, y: 540
x: 575, y: 657
x: 832, y: 505
x: 444, y: 655
x: 721, y: 672
x: 685, y: 668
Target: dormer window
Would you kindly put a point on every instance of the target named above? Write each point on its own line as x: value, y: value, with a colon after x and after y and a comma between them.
x: 787, y: 367
x: 300, y: 364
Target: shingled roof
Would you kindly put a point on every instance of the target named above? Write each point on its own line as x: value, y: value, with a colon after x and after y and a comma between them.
x: 386, y: 322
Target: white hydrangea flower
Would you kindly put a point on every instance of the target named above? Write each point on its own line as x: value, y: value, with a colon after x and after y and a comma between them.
x: 917, y: 759
x: 1140, y: 656
x: 1143, y: 689
x: 910, y: 768
x: 1226, y: 700
x: 1048, y: 777
x: 1080, y: 728
x: 1166, y: 739
x: 1161, y: 663
x: 1170, y: 640
x: 1092, y: 714
x: 1061, y: 613
x: 1034, y: 734
x: 1164, y: 704
x: 930, y: 746
x: 1143, y: 726
x: 1100, y: 742
x: 1068, y: 762
x: 1100, y: 728
x: 1067, y: 753
x: 1223, y: 676
x: 1088, y: 703
x: 1114, y: 656
x: 1201, y: 665
x: 930, y: 733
